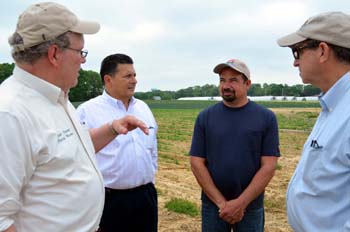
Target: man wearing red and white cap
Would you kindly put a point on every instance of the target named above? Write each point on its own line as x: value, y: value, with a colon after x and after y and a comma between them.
x: 234, y: 154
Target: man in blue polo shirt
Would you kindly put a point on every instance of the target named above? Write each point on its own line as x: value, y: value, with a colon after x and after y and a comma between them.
x: 234, y: 154
x: 318, y: 197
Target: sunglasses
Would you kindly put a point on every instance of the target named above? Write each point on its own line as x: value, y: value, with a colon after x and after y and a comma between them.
x: 297, y: 50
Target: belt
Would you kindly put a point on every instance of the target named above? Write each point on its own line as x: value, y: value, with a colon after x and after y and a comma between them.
x: 138, y: 188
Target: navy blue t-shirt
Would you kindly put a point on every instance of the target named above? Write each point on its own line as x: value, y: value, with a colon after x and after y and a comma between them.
x: 232, y: 140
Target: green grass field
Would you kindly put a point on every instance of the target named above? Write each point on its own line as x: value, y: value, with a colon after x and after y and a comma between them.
x: 175, y: 180
x: 175, y: 104
x: 178, y: 191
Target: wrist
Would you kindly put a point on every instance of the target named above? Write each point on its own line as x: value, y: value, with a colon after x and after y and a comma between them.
x: 113, y: 131
x: 221, y: 204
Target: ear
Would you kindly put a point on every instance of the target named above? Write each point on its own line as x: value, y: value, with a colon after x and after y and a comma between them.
x: 107, y: 78
x: 53, y: 54
x: 325, y: 51
x: 248, y: 83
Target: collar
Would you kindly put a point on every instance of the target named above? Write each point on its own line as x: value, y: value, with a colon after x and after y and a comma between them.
x: 113, y: 100
x: 330, y: 99
x: 46, y: 89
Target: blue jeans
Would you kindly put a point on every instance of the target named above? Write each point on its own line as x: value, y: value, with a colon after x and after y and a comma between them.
x: 253, y: 220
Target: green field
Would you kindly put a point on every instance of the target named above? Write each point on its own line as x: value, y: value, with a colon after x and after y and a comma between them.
x: 175, y: 179
x: 175, y: 104
x: 178, y: 191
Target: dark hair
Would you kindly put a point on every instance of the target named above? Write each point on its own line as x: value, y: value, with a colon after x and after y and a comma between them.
x: 342, y: 54
x: 312, y: 43
x: 109, y: 65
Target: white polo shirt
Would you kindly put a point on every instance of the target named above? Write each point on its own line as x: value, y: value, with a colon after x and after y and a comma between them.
x: 49, y: 180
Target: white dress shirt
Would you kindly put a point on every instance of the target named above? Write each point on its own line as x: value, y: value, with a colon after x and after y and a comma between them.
x: 49, y: 180
x: 129, y: 160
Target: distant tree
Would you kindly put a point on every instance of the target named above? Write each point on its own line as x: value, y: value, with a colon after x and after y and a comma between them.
x: 310, y: 90
x: 188, y: 92
x: 210, y: 90
x: 276, y: 89
x: 89, y: 86
x: 167, y: 95
x: 6, y: 70
x: 197, y: 91
x: 267, y: 89
x: 256, y: 90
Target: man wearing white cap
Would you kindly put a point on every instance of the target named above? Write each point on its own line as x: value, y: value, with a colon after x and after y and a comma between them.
x: 234, y: 154
x: 318, y: 197
x: 49, y: 180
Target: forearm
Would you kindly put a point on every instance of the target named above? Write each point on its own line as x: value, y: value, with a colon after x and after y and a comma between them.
x: 102, y: 136
x: 259, y: 182
x: 235, y: 208
x: 106, y: 133
x: 207, y: 184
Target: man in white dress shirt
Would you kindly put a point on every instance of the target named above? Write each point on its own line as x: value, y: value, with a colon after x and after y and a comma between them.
x: 49, y: 180
x: 129, y: 163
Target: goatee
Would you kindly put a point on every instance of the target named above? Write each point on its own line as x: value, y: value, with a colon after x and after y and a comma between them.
x: 230, y: 98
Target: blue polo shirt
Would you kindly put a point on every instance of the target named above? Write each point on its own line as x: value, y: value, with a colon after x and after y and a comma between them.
x: 233, y: 140
x: 318, y: 197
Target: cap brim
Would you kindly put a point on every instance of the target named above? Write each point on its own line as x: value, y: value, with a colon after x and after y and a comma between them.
x: 219, y: 67
x: 86, y: 27
x: 290, y: 39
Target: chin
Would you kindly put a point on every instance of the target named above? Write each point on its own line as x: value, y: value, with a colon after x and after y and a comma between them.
x: 305, y: 81
x: 229, y: 99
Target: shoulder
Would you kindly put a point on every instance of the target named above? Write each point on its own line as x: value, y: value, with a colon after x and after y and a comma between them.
x: 141, y: 105
x: 140, y: 102
x: 18, y: 99
x: 213, y: 110
x: 257, y: 108
x: 93, y: 102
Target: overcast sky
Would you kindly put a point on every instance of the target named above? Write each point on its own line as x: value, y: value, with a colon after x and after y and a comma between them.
x: 176, y: 43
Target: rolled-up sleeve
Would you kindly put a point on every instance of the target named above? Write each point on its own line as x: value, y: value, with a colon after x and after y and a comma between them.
x: 16, y: 166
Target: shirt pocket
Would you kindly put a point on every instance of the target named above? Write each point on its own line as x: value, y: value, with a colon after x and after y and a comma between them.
x: 147, y: 142
x: 314, y: 171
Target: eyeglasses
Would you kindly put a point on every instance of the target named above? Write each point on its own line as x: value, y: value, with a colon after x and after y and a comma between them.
x: 83, y: 53
x: 297, y: 50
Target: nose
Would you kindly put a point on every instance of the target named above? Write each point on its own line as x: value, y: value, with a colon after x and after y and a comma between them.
x: 83, y: 60
x: 227, y: 85
x: 296, y: 63
x: 134, y: 80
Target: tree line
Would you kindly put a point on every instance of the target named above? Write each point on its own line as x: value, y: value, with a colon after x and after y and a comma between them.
x: 90, y: 85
